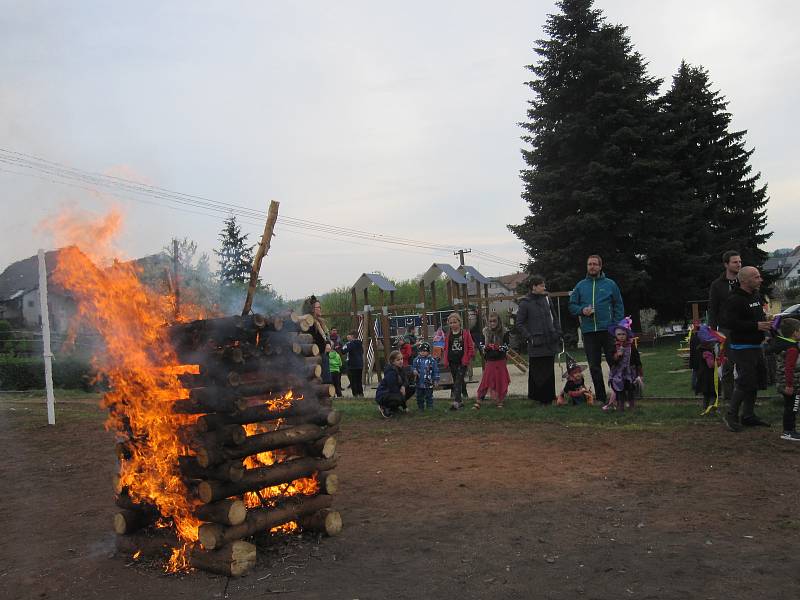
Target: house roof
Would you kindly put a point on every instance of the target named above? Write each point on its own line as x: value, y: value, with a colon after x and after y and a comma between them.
x: 781, y: 264
x: 512, y: 280
x: 23, y: 276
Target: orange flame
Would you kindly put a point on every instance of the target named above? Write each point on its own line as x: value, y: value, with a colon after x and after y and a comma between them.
x: 141, y: 368
x: 306, y: 486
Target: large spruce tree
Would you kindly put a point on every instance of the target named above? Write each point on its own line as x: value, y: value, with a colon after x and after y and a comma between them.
x: 235, y: 255
x: 726, y: 205
x: 593, y: 166
x: 612, y: 170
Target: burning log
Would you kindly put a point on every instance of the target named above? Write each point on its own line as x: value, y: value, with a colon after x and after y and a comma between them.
x: 144, y: 544
x: 327, y: 521
x: 261, y: 388
x: 226, y: 512
x: 261, y: 519
x: 234, y: 560
x: 227, y: 471
x: 261, y: 442
x: 191, y: 336
x: 215, y: 399
x: 296, y: 414
x: 263, y: 477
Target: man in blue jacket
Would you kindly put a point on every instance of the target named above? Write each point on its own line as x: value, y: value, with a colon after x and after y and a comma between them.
x: 597, y: 303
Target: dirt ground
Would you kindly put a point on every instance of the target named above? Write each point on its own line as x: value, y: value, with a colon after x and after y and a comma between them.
x: 441, y: 509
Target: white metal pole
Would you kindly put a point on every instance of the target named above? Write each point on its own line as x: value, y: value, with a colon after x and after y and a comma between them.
x: 48, y: 356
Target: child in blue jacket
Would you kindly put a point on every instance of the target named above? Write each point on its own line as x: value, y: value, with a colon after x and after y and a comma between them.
x: 426, y: 372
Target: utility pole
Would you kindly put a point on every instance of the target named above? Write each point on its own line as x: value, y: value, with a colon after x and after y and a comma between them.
x: 461, y: 254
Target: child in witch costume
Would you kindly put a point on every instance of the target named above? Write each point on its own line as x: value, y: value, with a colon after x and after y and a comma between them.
x: 703, y: 361
x: 625, y: 374
x: 495, y: 378
x: 575, y: 391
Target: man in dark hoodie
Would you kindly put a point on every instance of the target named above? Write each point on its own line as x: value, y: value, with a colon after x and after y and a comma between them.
x: 743, y: 315
x: 719, y: 291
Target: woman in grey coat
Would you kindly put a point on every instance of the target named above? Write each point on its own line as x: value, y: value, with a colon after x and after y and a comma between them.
x: 538, y: 322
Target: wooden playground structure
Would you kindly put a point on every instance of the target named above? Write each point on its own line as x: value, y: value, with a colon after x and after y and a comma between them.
x: 372, y: 319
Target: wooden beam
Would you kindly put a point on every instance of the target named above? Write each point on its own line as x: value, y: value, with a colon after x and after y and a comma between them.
x: 263, y: 248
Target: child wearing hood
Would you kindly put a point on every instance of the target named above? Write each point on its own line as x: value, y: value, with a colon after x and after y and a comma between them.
x: 625, y: 372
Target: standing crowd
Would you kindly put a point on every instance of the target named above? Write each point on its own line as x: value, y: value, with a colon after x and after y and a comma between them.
x: 727, y: 355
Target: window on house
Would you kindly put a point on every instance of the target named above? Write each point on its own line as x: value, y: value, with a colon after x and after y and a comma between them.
x: 30, y: 303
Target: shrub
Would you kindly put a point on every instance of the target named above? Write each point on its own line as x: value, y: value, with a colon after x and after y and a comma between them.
x: 28, y: 373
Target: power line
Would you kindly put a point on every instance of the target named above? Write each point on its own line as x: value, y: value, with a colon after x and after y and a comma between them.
x: 46, y: 170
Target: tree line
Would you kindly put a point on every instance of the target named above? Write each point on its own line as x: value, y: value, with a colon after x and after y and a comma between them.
x: 656, y: 184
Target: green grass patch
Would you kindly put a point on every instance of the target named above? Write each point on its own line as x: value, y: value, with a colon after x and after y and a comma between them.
x: 648, y: 414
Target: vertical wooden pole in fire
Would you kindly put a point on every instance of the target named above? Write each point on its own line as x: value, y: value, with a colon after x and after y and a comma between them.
x: 177, y: 290
x: 48, y: 356
x: 263, y: 248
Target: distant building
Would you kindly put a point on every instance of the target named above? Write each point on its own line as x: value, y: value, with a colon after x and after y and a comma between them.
x: 785, y: 268
x: 19, y: 295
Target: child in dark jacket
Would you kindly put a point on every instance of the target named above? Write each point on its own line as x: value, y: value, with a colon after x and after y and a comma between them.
x: 354, y: 350
x: 391, y: 393
x: 786, y: 345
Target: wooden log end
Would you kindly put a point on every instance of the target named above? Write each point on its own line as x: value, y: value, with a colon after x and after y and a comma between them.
x: 211, y: 535
x: 326, y: 521
x: 225, y: 512
x: 234, y: 560
x: 127, y: 521
x: 329, y: 483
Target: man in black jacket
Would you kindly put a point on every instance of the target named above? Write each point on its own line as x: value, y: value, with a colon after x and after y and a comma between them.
x: 719, y: 291
x: 743, y: 315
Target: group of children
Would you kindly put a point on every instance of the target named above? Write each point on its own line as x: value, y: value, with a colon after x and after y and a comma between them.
x: 421, y: 375
x: 405, y: 376
x: 707, y: 356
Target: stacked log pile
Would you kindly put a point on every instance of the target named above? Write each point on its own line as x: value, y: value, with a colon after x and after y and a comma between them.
x: 258, y: 391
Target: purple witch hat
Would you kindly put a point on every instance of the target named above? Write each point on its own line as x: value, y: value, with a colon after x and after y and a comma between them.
x: 626, y: 325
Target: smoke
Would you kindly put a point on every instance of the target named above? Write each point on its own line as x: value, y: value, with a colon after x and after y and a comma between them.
x: 93, y: 234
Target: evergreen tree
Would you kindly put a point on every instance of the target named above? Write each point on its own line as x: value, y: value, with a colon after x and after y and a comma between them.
x: 234, y: 255
x: 726, y: 205
x: 594, y: 173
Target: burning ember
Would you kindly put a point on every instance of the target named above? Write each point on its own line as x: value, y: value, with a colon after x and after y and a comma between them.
x: 224, y: 430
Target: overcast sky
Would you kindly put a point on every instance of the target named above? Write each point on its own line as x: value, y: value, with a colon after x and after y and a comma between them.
x: 393, y: 118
